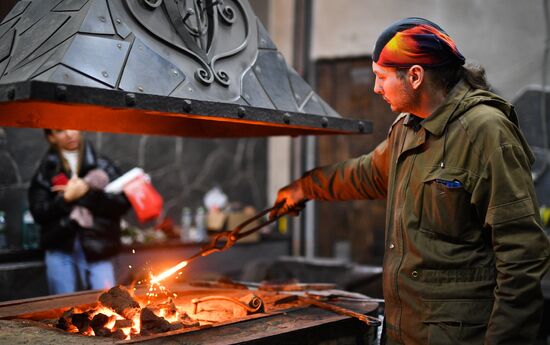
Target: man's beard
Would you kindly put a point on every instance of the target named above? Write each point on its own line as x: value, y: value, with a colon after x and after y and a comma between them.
x: 409, y: 100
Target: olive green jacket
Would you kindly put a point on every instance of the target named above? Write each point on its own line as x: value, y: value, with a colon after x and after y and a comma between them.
x: 465, y: 251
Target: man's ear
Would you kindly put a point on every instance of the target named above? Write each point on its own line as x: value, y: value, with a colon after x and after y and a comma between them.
x: 415, y: 75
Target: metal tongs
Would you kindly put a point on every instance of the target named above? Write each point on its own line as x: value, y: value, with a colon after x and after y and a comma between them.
x: 226, y: 239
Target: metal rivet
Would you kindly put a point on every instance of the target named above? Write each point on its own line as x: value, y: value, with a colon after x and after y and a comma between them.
x: 175, y: 72
x: 60, y: 92
x: 241, y: 112
x: 119, y: 46
x: 130, y: 99
x: 324, y: 122
x: 414, y: 274
x: 361, y: 126
x: 11, y: 93
x: 392, y: 246
x: 118, y: 21
x: 140, y: 88
x: 101, y: 18
x: 187, y: 106
x: 286, y: 118
x: 105, y: 74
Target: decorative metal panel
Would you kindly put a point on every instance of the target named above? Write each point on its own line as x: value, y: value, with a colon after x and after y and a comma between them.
x: 26, y: 70
x: 300, y: 89
x: 68, y: 32
x: 271, y: 71
x: 6, y: 43
x: 65, y: 75
x: 3, y: 65
x: 70, y: 5
x: 145, y: 65
x: 100, y: 58
x: 191, y: 50
x: 35, y: 36
x: 33, y: 13
x: 253, y: 92
x: 98, y: 20
x: 5, y: 28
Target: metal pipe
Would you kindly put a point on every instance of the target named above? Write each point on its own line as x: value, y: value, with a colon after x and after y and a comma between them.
x: 543, y: 104
x: 310, y: 221
x: 307, y: 161
x: 297, y: 241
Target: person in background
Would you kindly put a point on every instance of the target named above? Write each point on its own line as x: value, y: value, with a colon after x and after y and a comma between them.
x: 464, y: 248
x: 80, y: 223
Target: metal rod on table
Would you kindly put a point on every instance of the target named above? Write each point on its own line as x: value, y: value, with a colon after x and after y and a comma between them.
x: 369, y: 320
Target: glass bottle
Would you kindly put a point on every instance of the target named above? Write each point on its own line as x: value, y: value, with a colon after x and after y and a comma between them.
x: 31, y: 235
x: 3, y: 230
x: 186, y: 224
x: 200, y: 225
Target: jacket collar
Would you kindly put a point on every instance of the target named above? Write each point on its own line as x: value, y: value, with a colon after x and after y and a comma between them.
x: 87, y: 159
x: 437, y: 121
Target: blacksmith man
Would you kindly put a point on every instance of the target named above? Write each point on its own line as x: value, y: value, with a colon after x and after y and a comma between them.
x: 465, y: 251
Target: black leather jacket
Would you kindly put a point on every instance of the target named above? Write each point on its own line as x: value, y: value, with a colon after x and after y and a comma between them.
x: 51, y: 212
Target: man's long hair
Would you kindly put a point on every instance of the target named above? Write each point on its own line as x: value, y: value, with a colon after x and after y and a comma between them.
x: 448, y: 76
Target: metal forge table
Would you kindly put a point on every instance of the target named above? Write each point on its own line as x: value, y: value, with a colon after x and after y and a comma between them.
x: 298, y: 324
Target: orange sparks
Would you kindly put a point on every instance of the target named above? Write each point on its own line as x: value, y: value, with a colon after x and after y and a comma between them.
x: 168, y: 272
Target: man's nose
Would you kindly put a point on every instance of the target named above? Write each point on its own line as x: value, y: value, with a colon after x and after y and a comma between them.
x: 377, y: 87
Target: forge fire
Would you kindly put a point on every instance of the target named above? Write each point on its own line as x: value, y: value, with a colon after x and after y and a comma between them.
x: 121, y: 315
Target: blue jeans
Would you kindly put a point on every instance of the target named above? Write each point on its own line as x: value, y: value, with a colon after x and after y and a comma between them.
x: 62, y: 268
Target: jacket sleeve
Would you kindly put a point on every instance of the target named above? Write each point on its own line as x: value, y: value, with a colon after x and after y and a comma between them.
x: 105, y: 204
x: 46, y: 206
x: 504, y: 197
x: 365, y: 177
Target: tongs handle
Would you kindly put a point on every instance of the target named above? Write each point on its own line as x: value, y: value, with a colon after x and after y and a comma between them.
x: 217, y: 244
x: 237, y: 231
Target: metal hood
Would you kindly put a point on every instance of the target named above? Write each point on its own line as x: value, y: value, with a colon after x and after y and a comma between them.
x: 173, y: 67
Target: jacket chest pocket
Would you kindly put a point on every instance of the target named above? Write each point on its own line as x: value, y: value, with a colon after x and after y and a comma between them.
x: 446, y: 208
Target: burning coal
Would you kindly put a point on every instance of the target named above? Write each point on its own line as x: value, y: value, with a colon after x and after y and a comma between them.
x: 120, y: 316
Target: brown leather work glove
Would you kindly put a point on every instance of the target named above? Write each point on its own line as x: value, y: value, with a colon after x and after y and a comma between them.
x: 291, y: 198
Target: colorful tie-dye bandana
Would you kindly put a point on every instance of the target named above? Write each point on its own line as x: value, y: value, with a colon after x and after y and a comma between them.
x: 415, y: 41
